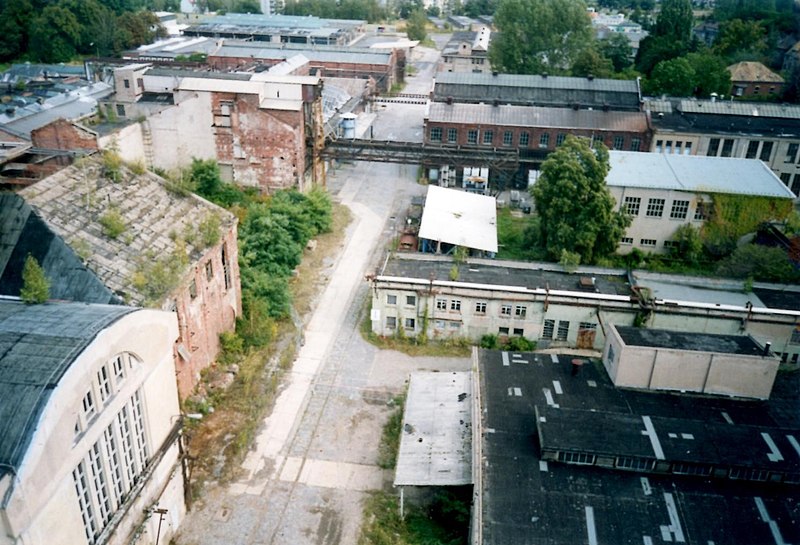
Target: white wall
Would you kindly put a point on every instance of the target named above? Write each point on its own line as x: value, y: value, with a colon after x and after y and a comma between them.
x: 183, y: 132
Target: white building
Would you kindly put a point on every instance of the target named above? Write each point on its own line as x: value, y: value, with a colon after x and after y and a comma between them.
x: 89, y: 425
x: 454, y: 218
x: 661, y: 192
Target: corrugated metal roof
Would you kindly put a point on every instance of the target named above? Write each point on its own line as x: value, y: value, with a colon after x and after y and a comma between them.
x: 537, y: 81
x: 460, y: 218
x: 360, y: 55
x: 727, y: 107
x: 695, y: 174
x: 38, y: 343
x: 533, y: 116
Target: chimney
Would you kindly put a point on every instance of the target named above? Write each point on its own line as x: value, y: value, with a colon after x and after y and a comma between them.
x: 767, y: 346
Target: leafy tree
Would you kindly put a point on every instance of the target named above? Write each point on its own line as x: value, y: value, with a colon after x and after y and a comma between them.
x: 35, y: 285
x: 617, y: 48
x: 591, y: 62
x: 15, y: 18
x: 415, y: 27
x: 674, y: 77
x: 689, y: 244
x: 55, y: 35
x: 737, y: 38
x: 576, y: 209
x: 711, y: 74
x: 655, y: 49
x: 536, y: 36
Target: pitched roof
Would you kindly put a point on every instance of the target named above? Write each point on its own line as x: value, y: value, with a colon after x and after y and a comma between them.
x: 38, y: 343
x: 753, y: 71
x: 158, y: 223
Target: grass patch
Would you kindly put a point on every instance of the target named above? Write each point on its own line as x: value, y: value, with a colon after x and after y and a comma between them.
x: 516, y: 236
x: 443, y: 521
x: 390, y: 438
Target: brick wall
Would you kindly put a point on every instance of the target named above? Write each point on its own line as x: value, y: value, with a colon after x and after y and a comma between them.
x: 64, y: 135
x: 207, y: 305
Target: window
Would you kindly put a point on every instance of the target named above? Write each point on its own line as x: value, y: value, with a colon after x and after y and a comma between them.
x: 118, y: 367
x: 508, y: 138
x: 691, y: 469
x: 659, y: 146
x: 480, y: 307
x: 472, y: 136
x: 104, y: 383
x: 632, y: 205
x: 678, y: 146
x: 209, y: 270
x: 436, y: 134
x: 488, y: 137
x: 548, y: 329
x: 636, y: 144
x: 560, y: 138
x: 89, y: 410
x: 752, y: 150
x: 226, y: 273
x: 635, y: 464
x: 411, y: 300
x: 391, y: 299
x: 441, y: 304
x: 713, y: 147
x: 544, y: 140
x: 452, y: 136
x: 524, y: 139
x: 727, y: 148
x: 701, y: 211
x: 126, y: 83
x: 795, y: 338
x: 109, y: 470
x: 520, y: 311
x: 766, y: 151
x: 193, y: 289
x: 455, y: 305
x: 687, y: 149
x: 563, y: 330
x: 679, y: 210
x: 581, y: 458
x: 647, y: 242
x: 668, y: 147
x: 120, y: 110
x: 587, y: 326
x: 671, y: 244
x: 748, y: 474
x: 626, y: 240
x: 619, y: 142
x: 519, y: 332
x: 791, y: 153
x: 505, y: 310
x: 140, y: 83
x: 655, y: 208
x: 391, y: 322
x: 786, y: 178
x: 410, y: 323
x: 503, y: 331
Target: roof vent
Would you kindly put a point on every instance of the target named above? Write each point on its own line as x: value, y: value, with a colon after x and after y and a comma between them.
x: 449, y: 100
x: 606, y: 107
x: 496, y: 102
x: 576, y: 106
x: 590, y: 77
x: 544, y: 75
x: 494, y: 73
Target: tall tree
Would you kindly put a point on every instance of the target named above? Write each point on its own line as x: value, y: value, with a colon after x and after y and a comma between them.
x: 674, y: 20
x: 591, y: 62
x: 617, y: 48
x: 536, y: 36
x: 711, y: 74
x: 674, y: 77
x: 15, y: 18
x: 737, y: 37
x: 576, y: 209
x: 415, y: 26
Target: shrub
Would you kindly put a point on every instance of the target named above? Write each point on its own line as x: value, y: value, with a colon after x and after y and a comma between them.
x: 113, y: 224
x: 35, y: 285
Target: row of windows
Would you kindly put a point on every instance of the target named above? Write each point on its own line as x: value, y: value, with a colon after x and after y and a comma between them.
x: 454, y: 305
x: 680, y: 147
x: 107, y: 382
x: 703, y: 470
x: 411, y: 300
x: 111, y: 468
x: 487, y: 137
x: 391, y: 323
x: 655, y: 208
x: 650, y: 242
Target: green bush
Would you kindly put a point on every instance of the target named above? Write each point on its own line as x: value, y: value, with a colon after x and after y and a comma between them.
x: 35, y: 285
x: 113, y: 224
x: 489, y: 342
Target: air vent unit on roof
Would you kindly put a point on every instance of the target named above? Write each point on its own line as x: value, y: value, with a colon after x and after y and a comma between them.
x: 590, y: 77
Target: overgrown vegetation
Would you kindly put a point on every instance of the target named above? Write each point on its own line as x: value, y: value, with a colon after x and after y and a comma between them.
x: 157, y: 275
x: 35, y: 285
x: 113, y: 223
x: 443, y: 521
x: 517, y: 236
x: 390, y: 438
x: 516, y: 343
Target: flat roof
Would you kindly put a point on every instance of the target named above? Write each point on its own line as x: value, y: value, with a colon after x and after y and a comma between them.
x: 536, y: 116
x: 527, y: 500
x: 742, y: 345
x: 436, y: 439
x: 460, y: 218
x: 695, y: 174
x: 538, y: 81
